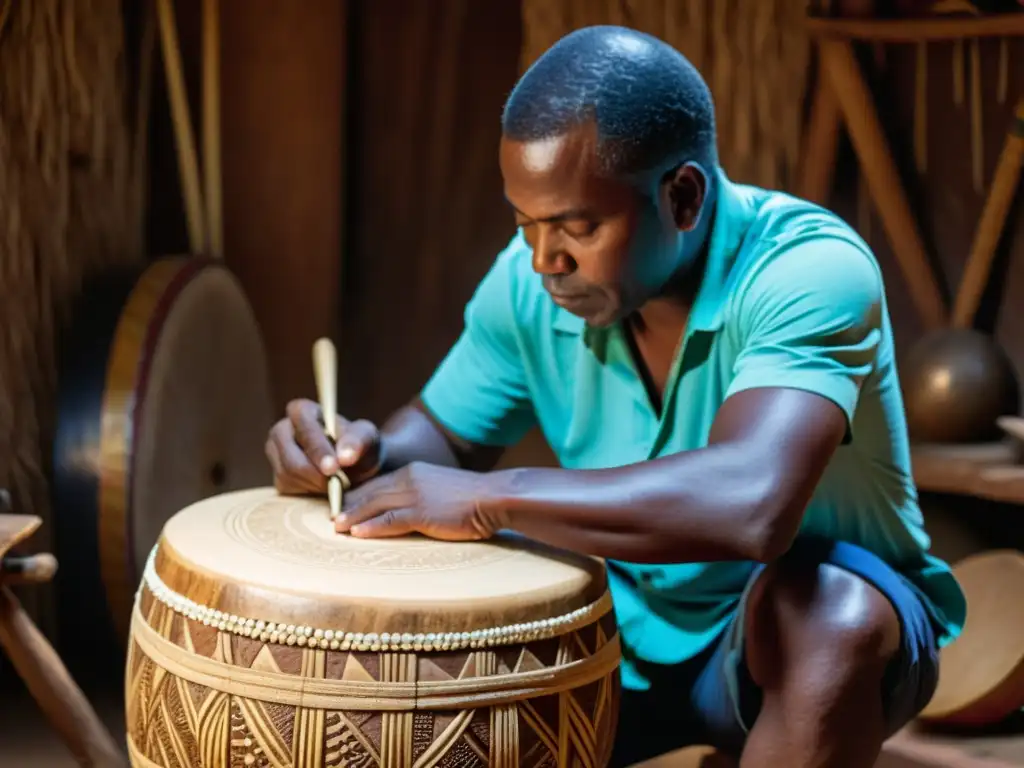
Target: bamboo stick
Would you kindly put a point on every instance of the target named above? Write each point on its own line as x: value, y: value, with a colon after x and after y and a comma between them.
x: 977, y: 127
x: 188, y: 162
x: 883, y: 180
x: 991, y: 224
x: 213, y: 187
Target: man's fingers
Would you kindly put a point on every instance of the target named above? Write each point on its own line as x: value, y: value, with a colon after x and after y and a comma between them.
x: 293, y: 471
x: 358, y: 448
x: 309, y: 432
x: 298, y: 467
x: 369, y: 500
x: 283, y: 483
x: 373, y: 491
x: 391, y: 522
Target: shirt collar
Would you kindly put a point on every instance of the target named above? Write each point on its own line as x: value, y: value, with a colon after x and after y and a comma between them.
x: 734, y: 213
x: 735, y: 210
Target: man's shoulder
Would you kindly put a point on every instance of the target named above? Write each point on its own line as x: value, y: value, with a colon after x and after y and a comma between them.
x: 784, y: 221
x: 794, y: 246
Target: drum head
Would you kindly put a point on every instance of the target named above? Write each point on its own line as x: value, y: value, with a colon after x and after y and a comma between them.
x: 205, y: 410
x: 260, y: 556
x: 164, y: 400
x: 981, y: 678
x: 185, y: 413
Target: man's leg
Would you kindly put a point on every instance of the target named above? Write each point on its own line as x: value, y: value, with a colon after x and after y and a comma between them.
x: 834, y: 654
x: 819, y: 641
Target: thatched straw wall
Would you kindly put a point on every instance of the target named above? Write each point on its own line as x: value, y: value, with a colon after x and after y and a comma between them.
x: 70, y: 204
x: 753, y: 54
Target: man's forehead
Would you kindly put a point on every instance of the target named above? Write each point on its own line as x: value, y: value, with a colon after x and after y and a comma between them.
x: 571, y: 153
x: 548, y: 177
x: 544, y: 155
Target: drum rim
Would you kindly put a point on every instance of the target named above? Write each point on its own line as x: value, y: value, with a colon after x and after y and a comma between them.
x: 136, y: 335
x: 338, y: 639
x: 988, y: 704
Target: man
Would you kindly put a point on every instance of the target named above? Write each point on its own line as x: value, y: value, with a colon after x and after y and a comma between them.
x: 713, y: 365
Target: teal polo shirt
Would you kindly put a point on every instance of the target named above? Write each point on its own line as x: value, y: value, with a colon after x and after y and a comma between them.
x: 792, y: 297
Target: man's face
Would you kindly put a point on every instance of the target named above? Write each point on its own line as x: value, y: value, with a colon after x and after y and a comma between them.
x: 603, y: 246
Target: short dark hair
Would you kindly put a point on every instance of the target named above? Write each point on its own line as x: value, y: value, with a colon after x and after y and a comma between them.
x: 650, y: 105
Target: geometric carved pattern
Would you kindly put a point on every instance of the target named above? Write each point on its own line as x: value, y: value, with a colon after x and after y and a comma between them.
x: 181, y: 716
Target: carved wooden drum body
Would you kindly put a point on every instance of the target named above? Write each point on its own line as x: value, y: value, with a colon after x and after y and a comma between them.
x: 260, y: 637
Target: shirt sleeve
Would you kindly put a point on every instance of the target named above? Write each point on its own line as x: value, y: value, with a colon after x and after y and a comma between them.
x: 480, y: 391
x: 811, y: 318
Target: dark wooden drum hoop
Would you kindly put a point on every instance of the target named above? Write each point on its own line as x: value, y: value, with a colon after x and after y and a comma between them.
x: 105, y: 370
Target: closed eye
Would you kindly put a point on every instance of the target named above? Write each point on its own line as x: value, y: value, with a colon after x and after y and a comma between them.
x: 580, y: 230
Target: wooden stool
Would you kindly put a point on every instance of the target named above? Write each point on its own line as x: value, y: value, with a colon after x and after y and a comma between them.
x: 45, y: 676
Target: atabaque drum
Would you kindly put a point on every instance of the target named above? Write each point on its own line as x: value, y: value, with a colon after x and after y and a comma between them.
x: 164, y: 400
x: 260, y: 637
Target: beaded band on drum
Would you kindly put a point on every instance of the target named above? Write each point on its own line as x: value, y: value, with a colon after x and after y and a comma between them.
x: 337, y: 639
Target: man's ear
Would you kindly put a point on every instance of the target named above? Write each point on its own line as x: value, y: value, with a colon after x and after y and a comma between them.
x: 683, y: 191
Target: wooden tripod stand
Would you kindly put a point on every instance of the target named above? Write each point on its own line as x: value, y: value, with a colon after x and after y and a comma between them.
x: 39, y: 666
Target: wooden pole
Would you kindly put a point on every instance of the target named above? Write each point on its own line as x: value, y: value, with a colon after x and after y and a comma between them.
x: 53, y: 688
x: 883, y: 180
x: 213, y: 188
x: 188, y: 162
x: 991, y: 224
x: 819, y: 160
x: 38, y: 665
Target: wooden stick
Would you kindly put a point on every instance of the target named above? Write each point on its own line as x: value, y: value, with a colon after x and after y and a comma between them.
x: 977, y: 129
x: 15, y: 529
x: 188, y: 163
x: 921, y: 109
x: 1003, y: 74
x: 991, y: 223
x: 27, y: 569
x: 915, y: 30
x: 883, y: 180
x: 325, y: 371
x: 53, y: 689
x: 213, y: 192
x: 822, y: 140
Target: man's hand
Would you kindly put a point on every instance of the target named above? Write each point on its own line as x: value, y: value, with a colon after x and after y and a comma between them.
x: 439, y: 502
x: 302, y: 455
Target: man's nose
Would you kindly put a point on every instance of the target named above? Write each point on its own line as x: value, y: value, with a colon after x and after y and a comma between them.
x: 549, y: 257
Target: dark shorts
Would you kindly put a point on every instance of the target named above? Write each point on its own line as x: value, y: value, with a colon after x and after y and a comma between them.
x: 711, y: 699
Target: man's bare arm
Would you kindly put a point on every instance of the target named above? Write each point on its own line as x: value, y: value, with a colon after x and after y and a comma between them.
x: 740, y: 498
x: 412, y: 434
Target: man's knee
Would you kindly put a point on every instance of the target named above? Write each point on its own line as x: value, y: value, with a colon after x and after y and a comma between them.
x: 819, y: 623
